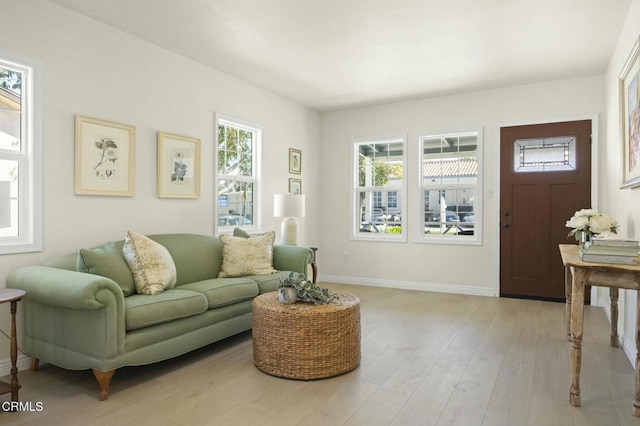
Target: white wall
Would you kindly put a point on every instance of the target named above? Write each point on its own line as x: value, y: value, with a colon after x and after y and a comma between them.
x: 451, y: 268
x: 94, y: 70
x: 623, y: 204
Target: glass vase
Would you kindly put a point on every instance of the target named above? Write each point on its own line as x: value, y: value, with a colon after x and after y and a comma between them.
x: 584, y: 238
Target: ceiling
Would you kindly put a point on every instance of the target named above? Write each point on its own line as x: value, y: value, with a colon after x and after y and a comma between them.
x: 332, y: 54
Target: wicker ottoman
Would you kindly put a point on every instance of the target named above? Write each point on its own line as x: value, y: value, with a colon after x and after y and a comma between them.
x: 305, y: 341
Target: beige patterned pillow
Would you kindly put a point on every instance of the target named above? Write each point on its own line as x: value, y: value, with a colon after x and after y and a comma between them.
x: 247, y: 256
x: 150, y: 263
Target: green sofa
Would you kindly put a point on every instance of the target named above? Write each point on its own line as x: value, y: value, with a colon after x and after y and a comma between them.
x: 79, y: 320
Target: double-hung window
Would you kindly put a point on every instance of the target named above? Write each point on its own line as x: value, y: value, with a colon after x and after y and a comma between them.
x: 20, y: 154
x: 379, y: 190
x: 237, y: 153
x: 450, y: 188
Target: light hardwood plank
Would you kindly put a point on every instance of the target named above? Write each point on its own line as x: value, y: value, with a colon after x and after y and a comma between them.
x: 427, y: 359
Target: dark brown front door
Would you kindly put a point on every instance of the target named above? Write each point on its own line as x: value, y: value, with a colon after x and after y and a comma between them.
x: 545, y: 176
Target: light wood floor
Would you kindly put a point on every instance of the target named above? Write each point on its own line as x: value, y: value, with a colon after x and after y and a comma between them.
x: 427, y: 359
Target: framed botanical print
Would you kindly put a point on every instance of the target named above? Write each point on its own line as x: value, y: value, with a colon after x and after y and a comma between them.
x: 104, y: 157
x: 178, y: 166
x: 295, y: 161
x: 629, y: 88
x: 295, y: 186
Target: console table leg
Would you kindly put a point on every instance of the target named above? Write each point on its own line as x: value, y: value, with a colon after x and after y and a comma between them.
x: 568, y: 279
x: 577, y: 319
x: 613, y: 294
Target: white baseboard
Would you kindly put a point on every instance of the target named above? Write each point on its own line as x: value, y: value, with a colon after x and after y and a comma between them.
x: 409, y: 285
x: 23, y: 363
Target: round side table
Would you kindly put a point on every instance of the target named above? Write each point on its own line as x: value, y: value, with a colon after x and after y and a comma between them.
x: 306, y: 341
x: 13, y: 296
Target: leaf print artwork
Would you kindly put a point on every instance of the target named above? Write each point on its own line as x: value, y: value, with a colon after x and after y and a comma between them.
x: 106, y: 158
x: 180, y: 168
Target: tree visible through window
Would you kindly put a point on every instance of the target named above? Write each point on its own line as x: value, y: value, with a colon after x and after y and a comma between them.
x: 379, y: 197
x: 236, y: 178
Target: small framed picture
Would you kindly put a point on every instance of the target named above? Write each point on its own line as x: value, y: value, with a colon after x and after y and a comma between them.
x: 295, y: 186
x: 105, y: 154
x: 295, y: 161
x: 178, y: 166
x: 629, y: 88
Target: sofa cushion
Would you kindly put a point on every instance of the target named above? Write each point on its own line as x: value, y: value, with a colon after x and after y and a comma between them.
x: 225, y: 291
x: 267, y: 283
x: 239, y: 232
x: 150, y: 263
x: 107, y: 261
x: 143, y: 310
x: 197, y: 257
x: 247, y: 256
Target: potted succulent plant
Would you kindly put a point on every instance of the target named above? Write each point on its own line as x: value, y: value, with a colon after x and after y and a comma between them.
x: 295, y: 287
x: 287, y: 292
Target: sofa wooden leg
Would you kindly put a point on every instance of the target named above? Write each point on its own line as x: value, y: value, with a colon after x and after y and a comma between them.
x: 35, y: 364
x: 104, y: 378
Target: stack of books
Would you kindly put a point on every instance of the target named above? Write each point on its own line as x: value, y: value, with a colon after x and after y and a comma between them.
x: 623, y: 252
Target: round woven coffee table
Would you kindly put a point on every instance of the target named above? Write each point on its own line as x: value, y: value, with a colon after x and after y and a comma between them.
x: 306, y: 341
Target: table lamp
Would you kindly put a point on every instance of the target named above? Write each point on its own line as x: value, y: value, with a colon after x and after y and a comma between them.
x: 288, y: 206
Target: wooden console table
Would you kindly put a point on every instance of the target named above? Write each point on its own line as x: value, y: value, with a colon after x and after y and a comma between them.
x: 10, y: 295
x: 578, y: 275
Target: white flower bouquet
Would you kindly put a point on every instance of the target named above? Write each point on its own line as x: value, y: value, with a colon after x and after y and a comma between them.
x: 589, y: 223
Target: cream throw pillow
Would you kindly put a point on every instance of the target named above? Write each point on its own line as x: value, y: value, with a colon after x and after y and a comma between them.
x: 247, y: 256
x: 150, y: 263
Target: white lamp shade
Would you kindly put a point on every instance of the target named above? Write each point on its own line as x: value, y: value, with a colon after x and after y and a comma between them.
x: 288, y: 205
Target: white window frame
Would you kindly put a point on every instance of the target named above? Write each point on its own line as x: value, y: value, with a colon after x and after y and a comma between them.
x: 29, y: 158
x: 476, y: 238
x: 355, y: 233
x: 254, y: 179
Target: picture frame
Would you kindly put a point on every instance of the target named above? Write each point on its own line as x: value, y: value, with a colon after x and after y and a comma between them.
x: 295, y: 161
x: 105, y: 154
x: 295, y: 186
x: 178, y: 166
x: 629, y: 93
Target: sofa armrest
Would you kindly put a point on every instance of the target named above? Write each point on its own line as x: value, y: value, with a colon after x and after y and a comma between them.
x: 73, y: 319
x: 292, y: 258
x: 64, y: 288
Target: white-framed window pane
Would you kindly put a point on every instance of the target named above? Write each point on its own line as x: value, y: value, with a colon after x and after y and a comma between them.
x: 380, y: 190
x: 9, y: 219
x: 450, y: 212
x: 378, y: 220
x: 10, y: 108
x: 450, y: 187
x: 381, y: 164
x: 235, y: 203
x: 236, y: 180
x: 235, y: 151
x: 20, y: 154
